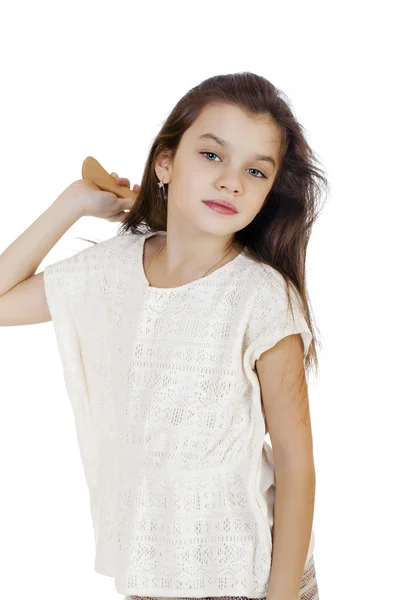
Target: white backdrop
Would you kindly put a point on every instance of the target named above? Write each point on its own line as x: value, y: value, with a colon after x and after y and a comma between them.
x: 94, y: 78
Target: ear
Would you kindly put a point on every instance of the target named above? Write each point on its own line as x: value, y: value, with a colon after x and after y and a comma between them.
x: 163, y: 167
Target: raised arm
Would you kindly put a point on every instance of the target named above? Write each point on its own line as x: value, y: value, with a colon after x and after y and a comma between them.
x: 22, y: 295
x: 22, y: 292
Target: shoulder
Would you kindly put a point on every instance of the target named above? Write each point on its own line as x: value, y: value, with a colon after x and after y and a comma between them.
x: 274, y: 300
x: 267, y: 286
x: 89, y: 269
x: 105, y: 249
x: 97, y: 254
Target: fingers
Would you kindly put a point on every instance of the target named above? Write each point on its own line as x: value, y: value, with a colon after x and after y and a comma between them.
x: 124, y: 181
x: 120, y: 180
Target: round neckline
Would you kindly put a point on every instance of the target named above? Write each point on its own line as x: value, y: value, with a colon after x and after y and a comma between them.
x: 185, y: 286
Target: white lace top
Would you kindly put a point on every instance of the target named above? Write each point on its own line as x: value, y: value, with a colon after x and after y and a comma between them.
x: 169, y: 418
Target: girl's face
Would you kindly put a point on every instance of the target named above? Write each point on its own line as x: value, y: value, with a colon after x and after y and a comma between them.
x: 204, y: 169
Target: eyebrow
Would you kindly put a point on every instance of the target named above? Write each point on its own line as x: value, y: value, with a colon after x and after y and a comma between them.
x: 222, y: 142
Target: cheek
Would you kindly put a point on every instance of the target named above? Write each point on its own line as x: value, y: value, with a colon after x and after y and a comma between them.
x: 185, y: 193
x: 255, y: 206
x: 191, y: 188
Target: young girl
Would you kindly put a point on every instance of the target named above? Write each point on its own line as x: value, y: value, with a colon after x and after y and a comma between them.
x: 185, y: 339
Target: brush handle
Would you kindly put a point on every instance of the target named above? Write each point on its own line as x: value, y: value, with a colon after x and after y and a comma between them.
x: 93, y: 171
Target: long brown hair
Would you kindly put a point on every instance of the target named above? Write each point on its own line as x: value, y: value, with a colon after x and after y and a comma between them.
x: 278, y: 236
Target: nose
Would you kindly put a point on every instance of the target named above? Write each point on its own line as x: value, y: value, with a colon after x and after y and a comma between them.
x: 231, y: 184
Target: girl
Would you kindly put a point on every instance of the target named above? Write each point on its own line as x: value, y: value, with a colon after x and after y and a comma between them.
x: 185, y: 339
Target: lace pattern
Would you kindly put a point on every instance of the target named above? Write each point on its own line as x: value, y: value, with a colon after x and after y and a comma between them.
x: 168, y: 417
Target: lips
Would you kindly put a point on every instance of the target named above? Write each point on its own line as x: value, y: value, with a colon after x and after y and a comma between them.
x: 223, y: 203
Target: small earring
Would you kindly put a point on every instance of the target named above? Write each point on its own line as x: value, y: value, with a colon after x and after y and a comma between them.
x: 161, y: 185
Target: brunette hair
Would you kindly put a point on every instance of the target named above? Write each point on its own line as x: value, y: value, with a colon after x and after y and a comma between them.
x: 278, y: 235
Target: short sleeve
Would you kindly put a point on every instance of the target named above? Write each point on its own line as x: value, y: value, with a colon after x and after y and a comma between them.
x: 62, y: 282
x: 271, y: 317
x: 71, y: 282
x: 74, y: 287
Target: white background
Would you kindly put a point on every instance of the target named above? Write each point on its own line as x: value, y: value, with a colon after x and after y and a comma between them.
x: 95, y: 78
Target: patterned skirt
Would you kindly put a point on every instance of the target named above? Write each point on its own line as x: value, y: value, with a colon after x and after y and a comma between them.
x: 308, y: 589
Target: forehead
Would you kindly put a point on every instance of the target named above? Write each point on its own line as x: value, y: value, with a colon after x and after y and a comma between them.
x: 233, y: 124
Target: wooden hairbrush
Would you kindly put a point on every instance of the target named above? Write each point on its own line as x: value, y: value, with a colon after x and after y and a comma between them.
x: 93, y: 171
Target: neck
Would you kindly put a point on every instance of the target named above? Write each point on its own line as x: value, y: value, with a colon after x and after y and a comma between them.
x: 181, y: 260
